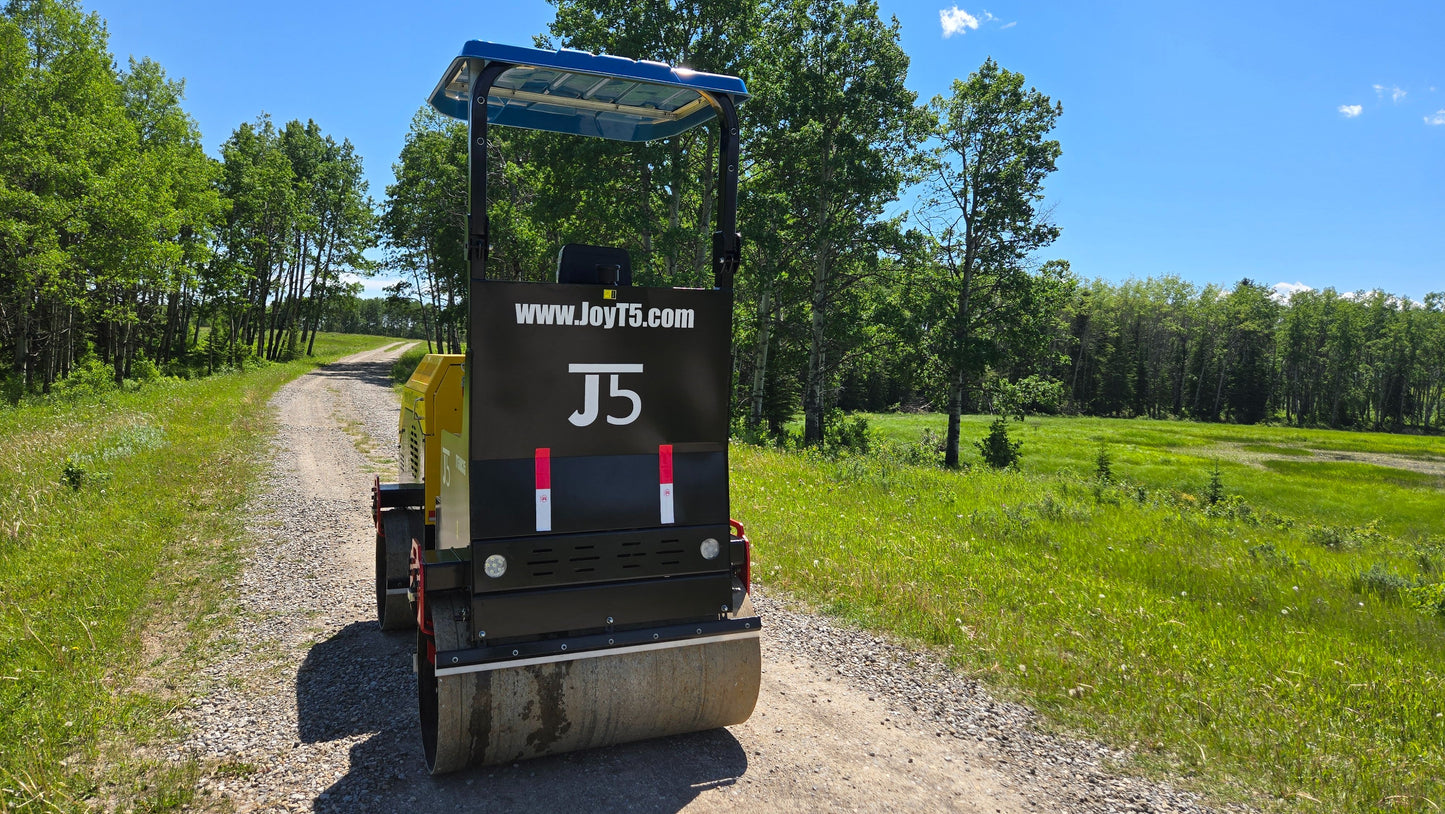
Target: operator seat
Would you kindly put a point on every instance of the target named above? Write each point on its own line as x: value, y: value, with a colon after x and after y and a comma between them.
x: 593, y: 265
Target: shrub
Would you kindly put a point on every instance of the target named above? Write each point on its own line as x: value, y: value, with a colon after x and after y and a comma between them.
x: 73, y: 473
x: 847, y: 432
x: 1340, y: 539
x: 1329, y: 537
x: 1269, y: 555
x: 1104, y: 464
x: 143, y: 369
x: 996, y: 448
x: 92, y: 378
x: 1427, y: 598
x: 1214, y: 492
x: 1381, y: 583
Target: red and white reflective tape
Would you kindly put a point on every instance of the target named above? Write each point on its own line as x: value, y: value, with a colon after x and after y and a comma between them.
x: 664, y: 477
x: 544, y: 489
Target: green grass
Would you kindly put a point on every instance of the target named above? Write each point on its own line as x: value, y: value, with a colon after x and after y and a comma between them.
x: 118, y: 512
x: 1243, y: 646
x: 406, y: 363
x: 1178, y: 456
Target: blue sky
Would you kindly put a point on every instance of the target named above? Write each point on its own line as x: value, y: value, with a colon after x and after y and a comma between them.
x: 1296, y: 143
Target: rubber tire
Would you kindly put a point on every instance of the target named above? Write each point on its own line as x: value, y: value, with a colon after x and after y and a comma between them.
x: 394, y: 610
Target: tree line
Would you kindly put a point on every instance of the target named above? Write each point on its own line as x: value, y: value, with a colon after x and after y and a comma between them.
x: 848, y: 301
x: 120, y: 238
x: 1165, y: 348
x: 895, y: 249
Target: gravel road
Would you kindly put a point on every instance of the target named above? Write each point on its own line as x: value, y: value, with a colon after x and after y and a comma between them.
x: 304, y: 704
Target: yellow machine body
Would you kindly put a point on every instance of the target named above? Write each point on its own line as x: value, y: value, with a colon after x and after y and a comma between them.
x: 430, y: 405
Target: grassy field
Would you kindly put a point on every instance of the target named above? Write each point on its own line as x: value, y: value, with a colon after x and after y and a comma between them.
x: 1282, y: 643
x: 119, y: 512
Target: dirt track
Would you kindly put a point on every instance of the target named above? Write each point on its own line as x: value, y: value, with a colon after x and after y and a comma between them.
x: 307, y: 705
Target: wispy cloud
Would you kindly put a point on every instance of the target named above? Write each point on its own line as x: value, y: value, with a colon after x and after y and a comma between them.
x: 1351, y: 111
x: 1283, y: 291
x: 1393, y: 91
x: 956, y: 21
x: 1437, y: 119
x: 990, y: 17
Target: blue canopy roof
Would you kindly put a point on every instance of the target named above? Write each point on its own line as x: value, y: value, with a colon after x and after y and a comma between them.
x: 585, y: 94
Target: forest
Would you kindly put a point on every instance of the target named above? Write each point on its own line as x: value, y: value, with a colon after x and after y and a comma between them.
x: 896, y: 249
x: 125, y: 247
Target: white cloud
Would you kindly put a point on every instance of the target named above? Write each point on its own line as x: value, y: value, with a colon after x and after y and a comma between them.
x: 1351, y: 111
x: 1010, y: 25
x: 1437, y: 119
x: 956, y: 21
x: 1282, y: 291
x: 1394, y: 92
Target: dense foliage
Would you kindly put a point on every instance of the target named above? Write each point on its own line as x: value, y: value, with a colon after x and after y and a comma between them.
x: 846, y: 301
x: 1165, y: 348
x: 124, y: 249
x: 120, y: 238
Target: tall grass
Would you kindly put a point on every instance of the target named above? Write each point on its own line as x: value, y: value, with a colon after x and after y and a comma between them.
x: 1239, y: 642
x: 115, y: 509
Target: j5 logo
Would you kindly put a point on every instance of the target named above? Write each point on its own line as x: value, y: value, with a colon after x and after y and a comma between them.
x: 593, y: 382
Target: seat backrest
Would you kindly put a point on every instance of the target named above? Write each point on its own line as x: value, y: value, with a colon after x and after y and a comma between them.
x: 593, y: 265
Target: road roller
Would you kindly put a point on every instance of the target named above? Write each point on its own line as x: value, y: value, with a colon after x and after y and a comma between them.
x: 560, y: 537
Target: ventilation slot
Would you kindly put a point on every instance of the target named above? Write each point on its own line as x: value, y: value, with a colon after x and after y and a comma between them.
x: 673, y: 556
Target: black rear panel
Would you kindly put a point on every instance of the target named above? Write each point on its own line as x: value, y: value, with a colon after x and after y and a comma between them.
x: 598, y: 455
x: 582, y: 609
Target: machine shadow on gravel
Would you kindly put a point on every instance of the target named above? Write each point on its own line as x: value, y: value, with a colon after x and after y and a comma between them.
x: 359, y: 681
x: 352, y: 683
x: 374, y: 373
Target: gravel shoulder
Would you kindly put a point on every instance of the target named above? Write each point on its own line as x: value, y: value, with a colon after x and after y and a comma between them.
x: 306, y: 705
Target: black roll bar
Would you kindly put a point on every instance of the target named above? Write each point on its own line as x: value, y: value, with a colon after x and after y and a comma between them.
x: 726, y: 241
